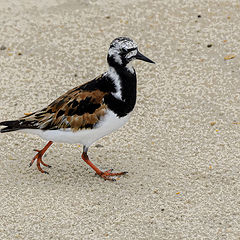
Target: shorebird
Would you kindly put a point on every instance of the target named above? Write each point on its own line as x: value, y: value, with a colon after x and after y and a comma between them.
x: 90, y: 111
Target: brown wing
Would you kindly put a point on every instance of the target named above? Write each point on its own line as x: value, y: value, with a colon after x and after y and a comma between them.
x: 76, y: 109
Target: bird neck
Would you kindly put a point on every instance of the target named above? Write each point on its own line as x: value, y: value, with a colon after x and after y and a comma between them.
x: 125, y: 83
x: 124, y: 79
x: 116, y: 61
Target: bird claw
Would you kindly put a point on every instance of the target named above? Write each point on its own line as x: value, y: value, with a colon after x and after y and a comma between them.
x: 107, y: 175
x: 38, y: 157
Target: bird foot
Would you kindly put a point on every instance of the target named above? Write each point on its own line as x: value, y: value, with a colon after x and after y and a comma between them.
x: 108, y: 174
x: 38, y: 157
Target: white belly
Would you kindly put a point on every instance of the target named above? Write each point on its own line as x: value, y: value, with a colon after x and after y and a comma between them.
x: 110, y: 122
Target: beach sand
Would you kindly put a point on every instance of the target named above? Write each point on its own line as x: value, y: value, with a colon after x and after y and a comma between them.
x: 181, y: 147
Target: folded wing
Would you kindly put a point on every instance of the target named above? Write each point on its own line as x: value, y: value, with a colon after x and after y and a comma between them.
x: 76, y: 109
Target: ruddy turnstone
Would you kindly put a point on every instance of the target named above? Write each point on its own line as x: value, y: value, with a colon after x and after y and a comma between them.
x: 90, y: 111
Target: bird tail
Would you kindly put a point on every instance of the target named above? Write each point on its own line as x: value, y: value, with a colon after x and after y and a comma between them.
x: 26, y: 122
x: 11, y: 126
x: 15, y: 125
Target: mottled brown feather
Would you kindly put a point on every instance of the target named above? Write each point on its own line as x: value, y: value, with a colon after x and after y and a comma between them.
x: 58, y: 114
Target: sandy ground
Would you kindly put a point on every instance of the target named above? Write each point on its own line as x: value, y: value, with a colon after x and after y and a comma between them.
x: 181, y: 146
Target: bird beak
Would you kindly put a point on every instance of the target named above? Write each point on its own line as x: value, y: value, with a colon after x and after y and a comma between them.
x: 143, y: 58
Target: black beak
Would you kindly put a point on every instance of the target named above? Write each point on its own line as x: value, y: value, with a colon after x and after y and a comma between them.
x: 143, y: 58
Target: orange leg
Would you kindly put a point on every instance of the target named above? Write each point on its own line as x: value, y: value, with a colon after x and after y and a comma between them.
x: 39, y: 155
x: 105, y: 175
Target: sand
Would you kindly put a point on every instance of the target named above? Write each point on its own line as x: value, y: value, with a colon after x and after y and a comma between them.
x: 181, y: 147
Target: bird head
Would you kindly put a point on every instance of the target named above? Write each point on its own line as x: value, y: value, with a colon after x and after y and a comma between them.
x: 122, y: 51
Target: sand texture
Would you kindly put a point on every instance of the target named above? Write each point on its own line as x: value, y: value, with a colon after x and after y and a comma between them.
x: 181, y: 146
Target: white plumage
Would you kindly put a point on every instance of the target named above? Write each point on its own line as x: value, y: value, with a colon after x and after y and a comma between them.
x: 109, y: 123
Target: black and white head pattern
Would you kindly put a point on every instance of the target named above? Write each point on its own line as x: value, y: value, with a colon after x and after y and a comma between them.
x: 122, y: 51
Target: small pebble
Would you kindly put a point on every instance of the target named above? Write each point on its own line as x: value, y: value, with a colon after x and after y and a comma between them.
x: 3, y: 47
x: 212, y: 123
x: 98, y: 146
x: 231, y: 56
x: 209, y: 45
